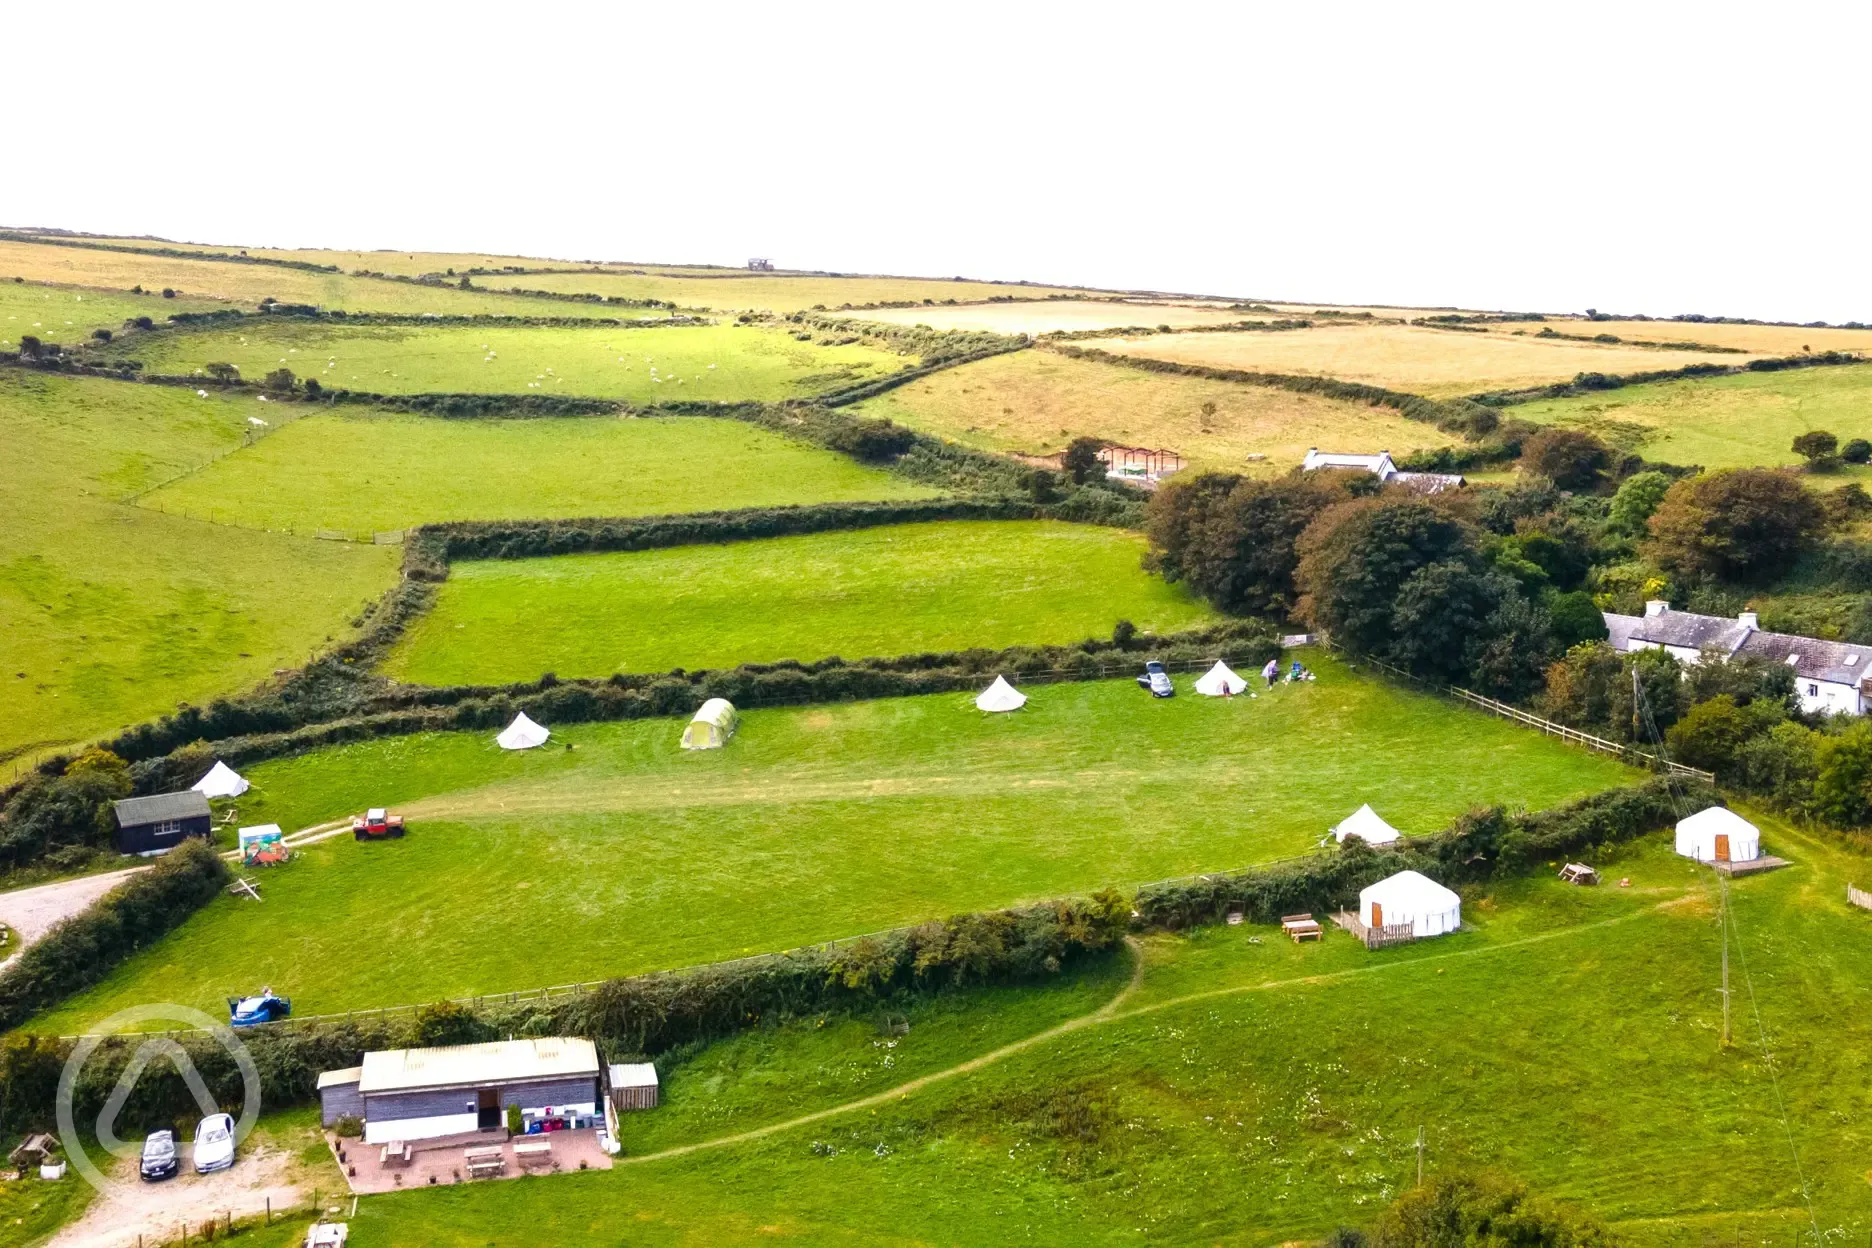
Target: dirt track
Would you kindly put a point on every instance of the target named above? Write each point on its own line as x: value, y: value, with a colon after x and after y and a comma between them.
x: 131, y: 1211
x: 31, y: 912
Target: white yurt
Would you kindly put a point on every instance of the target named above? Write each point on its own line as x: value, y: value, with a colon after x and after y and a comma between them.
x: 221, y: 781
x: 1365, y: 824
x: 1718, y: 835
x: 1219, y: 681
x: 522, y: 734
x: 1413, y: 898
x: 715, y: 721
x: 1001, y: 696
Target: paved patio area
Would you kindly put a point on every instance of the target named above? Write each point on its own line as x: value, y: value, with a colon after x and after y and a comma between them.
x: 443, y: 1160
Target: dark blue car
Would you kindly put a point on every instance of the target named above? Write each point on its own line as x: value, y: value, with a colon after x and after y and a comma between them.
x: 262, y: 1007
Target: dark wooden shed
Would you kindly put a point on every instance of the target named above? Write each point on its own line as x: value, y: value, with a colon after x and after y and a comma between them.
x: 150, y: 825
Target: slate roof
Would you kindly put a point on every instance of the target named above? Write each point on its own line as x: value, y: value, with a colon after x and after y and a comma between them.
x: 1814, y: 659
x: 1691, y: 631
x: 1622, y: 628
x: 1834, y: 661
x: 136, y: 811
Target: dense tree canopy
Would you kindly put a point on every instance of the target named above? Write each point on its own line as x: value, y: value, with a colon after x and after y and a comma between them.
x: 1744, y: 524
x: 1232, y: 539
x: 1570, y: 458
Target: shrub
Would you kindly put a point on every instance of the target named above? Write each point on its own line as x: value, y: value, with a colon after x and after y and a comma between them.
x: 1081, y: 460
x: 1818, y: 447
x: 348, y: 1127
x: 1571, y: 459
x: 281, y: 381
x: 1482, y: 1211
x: 873, y: 440
x: 220, y: 371
x: 1856, y: 451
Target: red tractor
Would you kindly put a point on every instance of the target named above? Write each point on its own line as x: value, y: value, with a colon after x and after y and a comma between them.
x: 377, y: 824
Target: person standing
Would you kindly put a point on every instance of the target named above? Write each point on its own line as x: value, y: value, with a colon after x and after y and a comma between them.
x: 1271, y: 671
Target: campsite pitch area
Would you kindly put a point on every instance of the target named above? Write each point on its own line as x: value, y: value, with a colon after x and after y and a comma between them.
x: 67, y: 314
x: 1265, y: 1093
x: 689, y: 363
x: 1035, y: 402
x: 1434, y: 362
x: 357, y: 470
x: 902, y: 589
x: 248, y: 284
x: 1748, y: 420
x: 111, y: 613
x: 628, y: 854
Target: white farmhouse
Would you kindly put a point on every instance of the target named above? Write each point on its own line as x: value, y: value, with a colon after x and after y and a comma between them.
x: 1829, y: 676
x: 1380, y: 466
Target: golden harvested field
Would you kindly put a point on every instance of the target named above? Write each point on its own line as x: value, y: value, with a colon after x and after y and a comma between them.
x: 738, y: 292
x: 1036, y: 401
x: 250, y: 283
x: 1361, y: 309
x: 1046, y: 316
x: 1432, y: 362
x: 1763, y: 339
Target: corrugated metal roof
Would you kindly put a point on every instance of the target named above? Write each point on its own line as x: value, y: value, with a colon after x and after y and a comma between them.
x: 339, y: 1078
x: 633, y: 1075
x: 406, y: 1070
x: 188, y: 804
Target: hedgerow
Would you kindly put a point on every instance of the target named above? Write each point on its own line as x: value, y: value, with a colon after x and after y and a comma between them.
x: 1588, y: 383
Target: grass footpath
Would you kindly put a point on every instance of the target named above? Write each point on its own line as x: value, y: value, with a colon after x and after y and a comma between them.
x: 628, y: 854
x: 111, y: 613
x: 690, y: 363
x: 1251, y: 1093
x: 364, y: 470
x: 1748, y: 420
x: 901, y: 589
x: 1036, y: 402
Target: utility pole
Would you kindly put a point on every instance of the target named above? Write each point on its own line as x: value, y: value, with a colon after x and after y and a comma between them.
x: 1420, y: 1156
x: 1724, y: 918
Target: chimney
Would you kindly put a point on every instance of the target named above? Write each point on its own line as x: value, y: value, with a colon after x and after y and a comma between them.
x: 1656, y: 606
x: 1750, y: 620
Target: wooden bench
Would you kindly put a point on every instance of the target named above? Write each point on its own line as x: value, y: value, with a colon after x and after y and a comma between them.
x: 1301, y: 927
x: 1579, y: 873
x: 484, y: 1163
x: 534, y: 1154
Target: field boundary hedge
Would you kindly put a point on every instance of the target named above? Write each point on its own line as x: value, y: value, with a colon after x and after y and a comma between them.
x: 654, y: 1013
x: 1589, y: 383
x: 1146, y: 331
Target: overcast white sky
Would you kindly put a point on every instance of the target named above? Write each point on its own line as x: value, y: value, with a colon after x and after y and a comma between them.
x: 1655, y: 158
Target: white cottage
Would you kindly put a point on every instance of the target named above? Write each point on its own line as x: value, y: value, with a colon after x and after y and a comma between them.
x: 1829, y: 676
x: 1382, y: 467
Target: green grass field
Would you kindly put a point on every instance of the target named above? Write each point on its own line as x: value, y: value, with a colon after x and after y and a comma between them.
x: 112, y: 613
x: 68, y: 314
x: 701, y: 362
x: 248, y: 284
x: 1036, y: 402
x: 1725, y: 422
x: 903, y: 589
x: 362, y: 470
x: 765, y: 292
x: 1246, y: 1090
x: 627, y: 853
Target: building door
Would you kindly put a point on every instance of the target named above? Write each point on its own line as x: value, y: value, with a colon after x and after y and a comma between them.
x: 1722, y: 847
x: 488, y: 1109
x: 1377, y: 915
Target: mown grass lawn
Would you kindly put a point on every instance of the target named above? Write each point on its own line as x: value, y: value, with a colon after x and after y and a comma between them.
x: 628, y: 854
x: 68, y: 314
x: 689, y: 363
x: 360, y: 470
x: 902, y: 589
x: 1266, y: 1092
x: 1749, y: 420
x: 111, y: 613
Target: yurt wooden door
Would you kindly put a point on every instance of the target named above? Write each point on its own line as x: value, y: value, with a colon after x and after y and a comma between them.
x: 1377, y: 915
x: 1722, y: 847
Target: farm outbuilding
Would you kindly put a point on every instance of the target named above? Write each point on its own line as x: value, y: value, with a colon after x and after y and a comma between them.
x: 1000, y: 696
x: 715, y: 721
x: 522, y: 734
x: 420, y: 1094
x: 1365, y: 824
x: 156, y: 824
x: 1413, y: 898
x: 221, y: 781
x: 633, y: 1085
x: 1718, y: 834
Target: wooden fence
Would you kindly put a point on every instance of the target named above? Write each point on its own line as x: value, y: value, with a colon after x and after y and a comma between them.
x: 1574, y: 735
x: 1859, y: 897
x: 1380, y: 937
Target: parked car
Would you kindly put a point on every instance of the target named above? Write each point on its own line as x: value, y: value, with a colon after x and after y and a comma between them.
x: 1156, y: 680
x: 160, y: 1156
x: 214, y: 1144
x: 263, y: 1007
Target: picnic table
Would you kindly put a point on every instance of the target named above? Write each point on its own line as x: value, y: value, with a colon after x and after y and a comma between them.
x: 539, y: 1152
x: 484, y: 1162
x: 396, y: 1153
x: 1301, y: 927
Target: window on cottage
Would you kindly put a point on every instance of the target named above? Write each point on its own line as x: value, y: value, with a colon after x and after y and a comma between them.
x: 1813, y: 691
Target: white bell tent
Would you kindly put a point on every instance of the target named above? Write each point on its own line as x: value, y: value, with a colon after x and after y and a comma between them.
x: 1218, y: 681
x: 1001, y: 696
x: 1365, y: 824
x: 1409, y: 897
x: 221, y: 781
x: 715, y: 721
x: 522, y: 734
x: 1718, y: 835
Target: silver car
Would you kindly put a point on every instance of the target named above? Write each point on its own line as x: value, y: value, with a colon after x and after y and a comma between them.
x: 214, y: 1144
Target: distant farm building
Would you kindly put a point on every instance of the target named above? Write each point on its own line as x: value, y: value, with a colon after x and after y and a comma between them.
x: 153, y: 825
x: 1127, y: 463
x: 760, y: 264
x: 1830, y: 677
x: 459, y: 1089
x: 1381, y: 466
